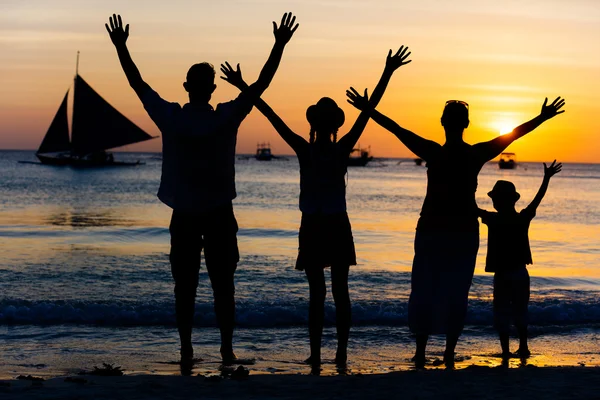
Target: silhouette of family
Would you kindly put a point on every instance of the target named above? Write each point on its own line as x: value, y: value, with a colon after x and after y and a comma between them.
x: 200, y: 190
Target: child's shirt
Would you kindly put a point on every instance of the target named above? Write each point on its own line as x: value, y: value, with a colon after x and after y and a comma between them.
x: 322, y: 179
x: 508, y: 239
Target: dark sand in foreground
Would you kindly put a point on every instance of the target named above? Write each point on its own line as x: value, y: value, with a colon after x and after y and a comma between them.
x: 471, y: 382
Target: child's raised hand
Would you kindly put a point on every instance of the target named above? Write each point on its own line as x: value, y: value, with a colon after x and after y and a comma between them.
x: 552, y: 170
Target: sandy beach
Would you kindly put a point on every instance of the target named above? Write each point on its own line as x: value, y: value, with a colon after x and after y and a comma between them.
x: 472, y: 382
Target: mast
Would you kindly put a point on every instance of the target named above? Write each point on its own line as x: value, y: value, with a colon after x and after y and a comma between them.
x: 77, y: 64
x: 74, y: 92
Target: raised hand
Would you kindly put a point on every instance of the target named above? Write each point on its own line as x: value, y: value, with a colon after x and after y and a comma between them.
x: 393, y: 62
x: 286, y: 28
x: 118, y: 35
x: 358, y: 101
x: 552, y: 110
x: 552, y: 170
x: 233, y: 77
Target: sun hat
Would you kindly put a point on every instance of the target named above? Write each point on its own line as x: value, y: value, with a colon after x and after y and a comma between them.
x: 325, y: 114
x: 504, y: 190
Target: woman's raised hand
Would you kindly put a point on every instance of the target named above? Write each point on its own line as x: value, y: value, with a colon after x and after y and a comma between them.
x: 552, y: 110
x: 393, y: 62
x: 358, y: 101
x: 233, y: 76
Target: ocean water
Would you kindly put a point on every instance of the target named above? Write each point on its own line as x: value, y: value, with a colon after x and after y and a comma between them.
x: 85, y: 279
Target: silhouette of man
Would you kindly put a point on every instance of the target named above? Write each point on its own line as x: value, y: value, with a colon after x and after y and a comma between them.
x: 198, y: 179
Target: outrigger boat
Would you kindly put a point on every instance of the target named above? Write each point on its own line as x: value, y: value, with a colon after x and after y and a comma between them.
x: 363, y: 157
x: 507, y: 161
x: 96, y: 127
x: 263, y: 152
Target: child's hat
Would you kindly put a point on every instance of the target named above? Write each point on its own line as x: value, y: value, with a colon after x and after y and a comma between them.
x: 504, y: 190
x: 325, y: 114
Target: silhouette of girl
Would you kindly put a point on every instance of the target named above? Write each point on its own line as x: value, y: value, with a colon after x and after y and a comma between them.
x: 447, y: 237
x: 325, y: 237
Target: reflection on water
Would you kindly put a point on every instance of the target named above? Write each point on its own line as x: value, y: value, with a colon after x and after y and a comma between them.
x: 88, y: 218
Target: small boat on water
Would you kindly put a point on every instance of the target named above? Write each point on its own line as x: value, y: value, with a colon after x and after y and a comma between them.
x: 507, y: 161
x: 96, y: 127
x: 361, y: 159
x: 263, y: 152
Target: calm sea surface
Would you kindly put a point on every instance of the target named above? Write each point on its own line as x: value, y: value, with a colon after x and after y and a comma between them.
x: 84, y: 272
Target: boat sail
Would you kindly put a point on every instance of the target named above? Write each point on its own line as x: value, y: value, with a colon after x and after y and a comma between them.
x: 97, y: 126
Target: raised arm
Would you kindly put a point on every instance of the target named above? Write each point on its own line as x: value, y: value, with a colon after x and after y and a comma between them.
x: 119, y: 36
x: 392, y: 63
x: 234, y: 77
x: 493, y: 148
x: 283, y: 33
x: 423, y: 148
x: 549, y: 172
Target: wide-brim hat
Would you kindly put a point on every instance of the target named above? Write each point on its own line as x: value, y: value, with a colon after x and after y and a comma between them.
x: 504, y: 190
x: 325, y: 114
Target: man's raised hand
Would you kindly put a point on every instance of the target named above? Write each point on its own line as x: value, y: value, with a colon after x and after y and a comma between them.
x: 286, y: 28
x: 358, y: 101
x: 233, y: 76
x: 552, y: 110
x: 117, y: 34
x: 393, y: 62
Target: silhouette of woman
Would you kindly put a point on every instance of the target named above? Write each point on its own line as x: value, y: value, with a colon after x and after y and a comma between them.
x: 325, y: 237
x: 447, y: 237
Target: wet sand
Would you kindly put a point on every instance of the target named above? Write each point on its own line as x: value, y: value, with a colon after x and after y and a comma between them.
x: 472, y: 382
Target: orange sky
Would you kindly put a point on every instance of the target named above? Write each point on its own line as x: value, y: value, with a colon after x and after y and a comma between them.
x: 501, y: 57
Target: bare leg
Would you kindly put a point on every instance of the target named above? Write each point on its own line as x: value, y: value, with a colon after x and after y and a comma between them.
x: 343, y: 310
x: 224, y: 295
x: 523, y: 346
x: 419, y: 357
x: 451, y: 340
x: 316, y: 312
x: 185, y: 296
x: 505, y: 344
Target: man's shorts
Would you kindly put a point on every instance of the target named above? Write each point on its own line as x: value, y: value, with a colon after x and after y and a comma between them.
x: 214, y: 231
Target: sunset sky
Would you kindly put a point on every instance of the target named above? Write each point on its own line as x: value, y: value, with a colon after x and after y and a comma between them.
x: 502, y: 57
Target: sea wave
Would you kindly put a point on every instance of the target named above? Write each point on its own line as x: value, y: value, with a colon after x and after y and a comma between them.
x: 263, y: 314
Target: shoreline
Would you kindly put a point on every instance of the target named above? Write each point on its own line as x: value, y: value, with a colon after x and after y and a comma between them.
x: 474, y: 381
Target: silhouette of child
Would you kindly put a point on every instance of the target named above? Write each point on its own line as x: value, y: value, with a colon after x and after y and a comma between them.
x: 325, y: 237
x: 508, y: 255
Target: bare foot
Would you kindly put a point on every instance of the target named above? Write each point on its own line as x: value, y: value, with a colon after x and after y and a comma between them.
x: 523, y: 353
x: 341, y: 357
x: 449, y: 360
x: 313, y: 360
x: 228, y: 357
x: 419, y: 360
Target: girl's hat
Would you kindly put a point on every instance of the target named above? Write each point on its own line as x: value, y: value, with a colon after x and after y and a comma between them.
x: 504, y: 190
x: 325, y: 114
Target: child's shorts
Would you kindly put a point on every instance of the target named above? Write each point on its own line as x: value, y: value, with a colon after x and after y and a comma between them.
x: 511, y: 298
x: 325, y: 240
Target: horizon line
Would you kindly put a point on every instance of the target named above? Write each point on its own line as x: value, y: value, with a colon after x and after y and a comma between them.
x: 294, y: 155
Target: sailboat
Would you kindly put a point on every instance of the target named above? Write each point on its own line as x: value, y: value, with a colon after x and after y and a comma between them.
x: 96, y: 127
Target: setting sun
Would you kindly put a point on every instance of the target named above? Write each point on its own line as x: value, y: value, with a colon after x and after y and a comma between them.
x: 503, y: 127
